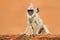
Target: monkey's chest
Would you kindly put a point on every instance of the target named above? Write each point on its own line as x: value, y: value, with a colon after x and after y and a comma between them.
x: 33, y: 23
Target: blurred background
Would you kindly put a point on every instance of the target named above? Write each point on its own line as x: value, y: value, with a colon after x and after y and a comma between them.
x: 13, y: 18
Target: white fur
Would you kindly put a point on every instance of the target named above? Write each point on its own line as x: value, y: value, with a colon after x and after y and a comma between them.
x: 38, y: 20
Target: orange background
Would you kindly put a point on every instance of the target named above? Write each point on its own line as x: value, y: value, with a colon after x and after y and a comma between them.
x: 13, y: 15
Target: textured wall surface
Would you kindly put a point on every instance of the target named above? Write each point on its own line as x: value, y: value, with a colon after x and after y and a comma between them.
x: 13, y: 15
x: 30, y: 37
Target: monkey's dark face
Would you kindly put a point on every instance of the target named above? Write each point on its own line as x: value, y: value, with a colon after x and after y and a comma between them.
x: 30, y: 12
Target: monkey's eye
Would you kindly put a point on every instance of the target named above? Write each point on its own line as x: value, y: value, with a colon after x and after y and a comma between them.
x: 30, y: 11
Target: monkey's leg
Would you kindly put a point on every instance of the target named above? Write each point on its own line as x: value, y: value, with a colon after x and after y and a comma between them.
x: 39, y: 26
x: 46, y: 30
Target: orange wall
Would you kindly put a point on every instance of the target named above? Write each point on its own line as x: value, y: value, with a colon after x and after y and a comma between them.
x: 13, y: 16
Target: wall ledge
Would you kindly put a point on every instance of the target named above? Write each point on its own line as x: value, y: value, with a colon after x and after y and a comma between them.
x: 31, y: 37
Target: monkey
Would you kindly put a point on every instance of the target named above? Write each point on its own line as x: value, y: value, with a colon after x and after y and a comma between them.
x: 33, y: 17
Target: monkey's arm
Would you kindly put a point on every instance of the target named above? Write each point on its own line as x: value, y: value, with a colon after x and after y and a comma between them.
x: 27, y: 29
x: 28, y: 26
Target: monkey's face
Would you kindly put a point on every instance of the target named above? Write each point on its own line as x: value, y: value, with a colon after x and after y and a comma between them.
x: 30, y: 12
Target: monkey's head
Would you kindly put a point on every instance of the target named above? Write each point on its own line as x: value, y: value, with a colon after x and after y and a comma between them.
x: 31, y: 10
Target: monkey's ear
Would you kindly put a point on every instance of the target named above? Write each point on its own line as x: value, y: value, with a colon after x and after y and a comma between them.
x: 37, y: 10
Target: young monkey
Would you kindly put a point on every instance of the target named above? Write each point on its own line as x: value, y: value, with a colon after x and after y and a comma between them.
x: 33, y: 18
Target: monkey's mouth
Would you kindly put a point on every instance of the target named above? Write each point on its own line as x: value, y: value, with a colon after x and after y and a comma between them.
x: 30, y: 12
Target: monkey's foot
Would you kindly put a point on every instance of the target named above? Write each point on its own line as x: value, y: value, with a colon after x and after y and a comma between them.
x: 22, y: 34
x: 34, y: 35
